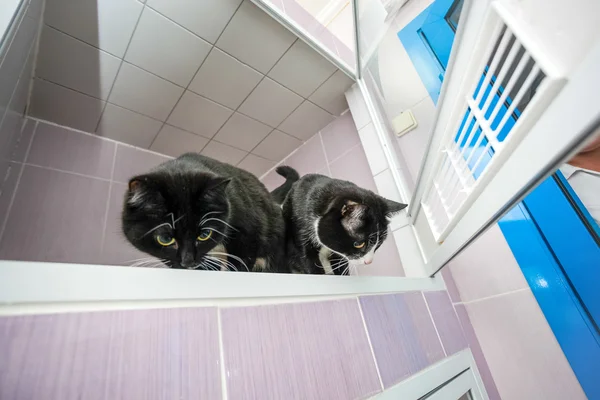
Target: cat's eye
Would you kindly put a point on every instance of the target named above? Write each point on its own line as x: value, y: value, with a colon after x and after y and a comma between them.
x: 164, y: 239
x: 359, y: 245
x: 205, y: 234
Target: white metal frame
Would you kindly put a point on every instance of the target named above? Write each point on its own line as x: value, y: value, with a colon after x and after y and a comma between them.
x: 560, y: 132
x: 451, y: 189
x: 31, y: 285
x: 455, y: 374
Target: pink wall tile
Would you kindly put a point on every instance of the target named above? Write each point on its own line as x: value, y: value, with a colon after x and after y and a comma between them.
x: 7, y: 190
x: 146, y: 354
x: 309, y: 158
x: 272, y: 180
x: 56, y: 216
x: 354, y: 167
x: 340, y: 136
x: 487, y: 268
x: 22, y: 146
x: 386, y: 262
x: 450, y: 284
x: 298, y: 351
x: 446, y: 321
x: 116, y: 250
x: 131, y: 161
x: 345, y: 53
x: 521, y: 350
x: 402, y: 334
x: 482, y: 365
x: 326, y: 38
x: 68, y: 150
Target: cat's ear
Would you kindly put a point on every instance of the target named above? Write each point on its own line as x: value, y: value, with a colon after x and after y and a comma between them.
x: 218, y: 183
x: 352, y: 209
x: 352, y: 213
x: 138, y: 190
x: 393, y: 207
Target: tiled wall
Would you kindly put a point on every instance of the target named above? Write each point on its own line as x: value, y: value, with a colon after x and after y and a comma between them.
x: 17, y: 57
x: 336, y: 151
x: 485, y: 281
x: 67, y: 189
x: 219, y: 77
x: 492, y: 292
x: 317, y: 350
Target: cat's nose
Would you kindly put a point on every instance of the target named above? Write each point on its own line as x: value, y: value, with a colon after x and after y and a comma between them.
x: 368, y: 261
x: 188, y: 262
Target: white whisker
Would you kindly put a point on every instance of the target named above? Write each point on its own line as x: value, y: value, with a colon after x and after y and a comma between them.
x: 219, y: 220
x: 207, y: 214
x: 177, y: 220
x: 156, y: 227
x: 232, y: 256
x: 214, y: 264
x: 221, y: 263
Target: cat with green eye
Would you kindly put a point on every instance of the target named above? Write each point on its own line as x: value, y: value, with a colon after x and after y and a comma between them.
x: 198, y: 213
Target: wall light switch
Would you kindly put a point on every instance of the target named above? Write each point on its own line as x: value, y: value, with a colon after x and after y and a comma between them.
x: 404, y: 123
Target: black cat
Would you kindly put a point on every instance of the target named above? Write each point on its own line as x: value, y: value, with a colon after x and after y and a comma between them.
x: 198, y: 213
x: 331, y: 223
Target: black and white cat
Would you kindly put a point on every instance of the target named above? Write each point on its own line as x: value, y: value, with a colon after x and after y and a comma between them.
x: 194, y: 212
x: 331, y: 223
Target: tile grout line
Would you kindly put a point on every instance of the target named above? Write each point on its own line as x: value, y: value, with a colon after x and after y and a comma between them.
x: 325, y: 153
x: 464, y: 303
x: 303, y: 143
x: 120, y: 65
x: 462, y: 329
x: 67, y: 172
x: 224, y: 393
x: 213, y: 46
x: 434, y: 324
x: 362, y: 317
x: 245, y: 98
x: 103, y: 101
x: 321, y: 84
x: 258, y: 144
x: 45, y: 24
x: 14, y: 194
x: 38, y: 39
x: 43, y: 121
x: 348, y: 151
x: 286, y: 157
x: 83, y: 41
x: 106, y: 101
x: 110, y: 185
x: 252, y: 91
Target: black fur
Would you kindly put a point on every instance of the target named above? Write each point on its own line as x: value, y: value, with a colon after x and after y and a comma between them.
x: 291, y: 176
x: 348, y: 216
x: 198, y: 195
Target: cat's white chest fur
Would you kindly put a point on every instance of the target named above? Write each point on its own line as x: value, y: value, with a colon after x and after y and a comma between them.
x: 324, y: 254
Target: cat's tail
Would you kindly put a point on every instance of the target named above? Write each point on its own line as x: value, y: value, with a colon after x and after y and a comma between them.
x: 291, y: 176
